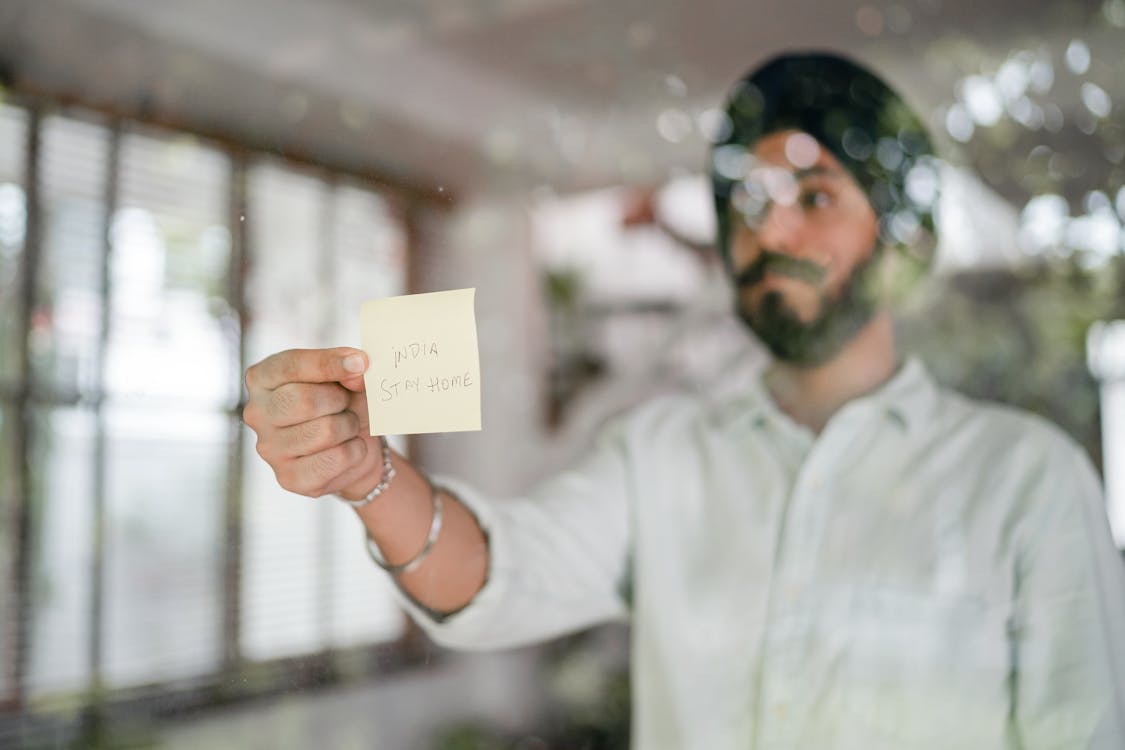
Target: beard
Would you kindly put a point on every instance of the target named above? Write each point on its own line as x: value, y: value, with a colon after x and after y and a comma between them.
x: 841, y: 314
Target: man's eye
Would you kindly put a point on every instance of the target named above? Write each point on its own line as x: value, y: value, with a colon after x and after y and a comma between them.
x: 809, y: 199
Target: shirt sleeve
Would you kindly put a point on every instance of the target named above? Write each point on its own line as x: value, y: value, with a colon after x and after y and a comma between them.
x: 1069, y: 623
x: 557, y: 556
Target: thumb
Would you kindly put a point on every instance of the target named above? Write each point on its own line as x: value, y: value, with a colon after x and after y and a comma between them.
x: 354, y: 383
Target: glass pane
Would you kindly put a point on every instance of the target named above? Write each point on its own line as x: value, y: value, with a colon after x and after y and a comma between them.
x: 284, y: 559
x: 286, y: 288
x: 69, y: 304
x: 369, y: 261
x: 8, y: 486
x: 63, y: 478
x: 173, y: 335
x: 282, y: 612
x: 166, y: 474
x: 13, y: 128
x: 363, y: 606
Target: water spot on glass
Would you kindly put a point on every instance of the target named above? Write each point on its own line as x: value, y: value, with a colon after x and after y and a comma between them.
x: 1042, y: 74
x: 958, y: 123
x: 1086, y: 122
x: 802, y: 150
x: 714, y: 125
x: 889, y: 153
x: 1013, y: 79
x: 898, y: 19
x: 732, y: 161
x: 747, y: 100
x: 1096, y: 201
x: 1114, y: 12
x: 1096, y: 100
x: 1052, y: 117
x: 780, y: 184
x: 675, y: 85
x: 857, y: 144
x: 1078, y: 57
x: 1043, y: 223
x: 1026, y: 113
x: 982, y: 100
x: 869, y: 20
x: 922, y: 185
x: 1095, y: 233
x: 673, y: 125
x: 904, y: 227
x: 1057, y: 166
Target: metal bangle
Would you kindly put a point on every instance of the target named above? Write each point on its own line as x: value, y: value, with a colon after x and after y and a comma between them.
x: 384, y: 483
x: 414, y: 562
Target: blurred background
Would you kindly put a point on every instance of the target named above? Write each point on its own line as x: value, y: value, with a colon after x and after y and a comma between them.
x: 186, y: 188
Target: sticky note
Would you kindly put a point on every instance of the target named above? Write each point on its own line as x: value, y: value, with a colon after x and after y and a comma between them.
x: 424, y: 373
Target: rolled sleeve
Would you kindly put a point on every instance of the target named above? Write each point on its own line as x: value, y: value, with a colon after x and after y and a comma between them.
x: 557, y: 557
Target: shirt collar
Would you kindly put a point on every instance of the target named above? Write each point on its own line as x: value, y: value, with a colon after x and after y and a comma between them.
x: 907, y: 400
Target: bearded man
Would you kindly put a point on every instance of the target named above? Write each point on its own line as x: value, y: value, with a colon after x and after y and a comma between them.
x: 845, y: 555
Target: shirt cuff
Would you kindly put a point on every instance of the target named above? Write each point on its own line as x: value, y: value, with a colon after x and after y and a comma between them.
x: 469, y: 626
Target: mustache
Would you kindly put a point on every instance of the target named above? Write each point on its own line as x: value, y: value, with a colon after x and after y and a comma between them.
x: 780, y: 263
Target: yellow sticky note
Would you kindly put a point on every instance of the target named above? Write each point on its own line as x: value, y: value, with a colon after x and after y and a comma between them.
x: 424, y: 374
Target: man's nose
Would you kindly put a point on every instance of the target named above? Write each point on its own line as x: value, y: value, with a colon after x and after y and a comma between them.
x: 779, y: 228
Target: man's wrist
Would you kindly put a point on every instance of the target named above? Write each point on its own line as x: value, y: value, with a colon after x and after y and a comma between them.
x: 387, y: 474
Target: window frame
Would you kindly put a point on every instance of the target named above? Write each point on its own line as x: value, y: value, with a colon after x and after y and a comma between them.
x: 89, y: 712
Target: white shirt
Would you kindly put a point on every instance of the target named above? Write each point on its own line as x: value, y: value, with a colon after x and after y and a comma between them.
x: 928, y: 572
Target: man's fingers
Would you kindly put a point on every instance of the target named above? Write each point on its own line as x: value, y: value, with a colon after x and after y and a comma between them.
x: 354, y: 383
x: 317, y: 435
x: 363, y: 468
x: 294, y: 403
x: 312, y: 475
x: 306, y: 366
x: 357, y: 404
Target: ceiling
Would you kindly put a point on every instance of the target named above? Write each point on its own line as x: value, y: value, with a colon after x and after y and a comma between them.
x: 457, y: 96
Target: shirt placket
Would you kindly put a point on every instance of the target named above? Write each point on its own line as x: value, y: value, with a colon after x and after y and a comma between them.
x: 781, y: 713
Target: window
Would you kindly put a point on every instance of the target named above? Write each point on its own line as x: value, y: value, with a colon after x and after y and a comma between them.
x: 137, y: 337
x: 308, y: 585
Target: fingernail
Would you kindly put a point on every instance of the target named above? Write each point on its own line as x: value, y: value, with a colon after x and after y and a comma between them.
x: 354, y: 363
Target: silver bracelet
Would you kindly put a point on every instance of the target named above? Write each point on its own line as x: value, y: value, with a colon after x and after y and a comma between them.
x: 384, y: 483
x: 414, y: 562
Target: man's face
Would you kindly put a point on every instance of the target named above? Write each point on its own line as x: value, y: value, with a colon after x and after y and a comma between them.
x: 802, y: 237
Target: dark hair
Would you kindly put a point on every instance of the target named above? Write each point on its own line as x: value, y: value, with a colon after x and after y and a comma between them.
x: 857, y: 117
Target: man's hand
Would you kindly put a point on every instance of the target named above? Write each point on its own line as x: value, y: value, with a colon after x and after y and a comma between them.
x: 309, y: 410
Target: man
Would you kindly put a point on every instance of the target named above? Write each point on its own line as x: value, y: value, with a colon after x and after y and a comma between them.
x: 844, y: 556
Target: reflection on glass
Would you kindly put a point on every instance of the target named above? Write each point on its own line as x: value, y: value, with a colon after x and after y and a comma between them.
x: 171, y: 327
x: 63, y: 484
x: 69, y: 307
x: 319, y: 252
x: 369, y: 259
x: 166, y: 473
x: 286, y: 227
x: 7, y: 500
x: 13, y: 123
x: 281, y: 557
